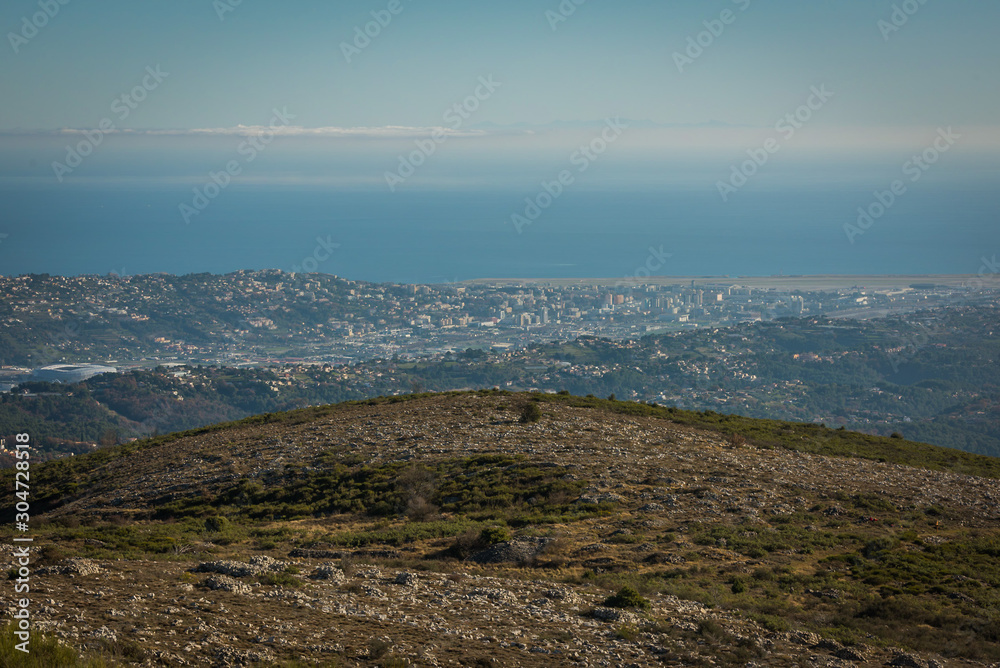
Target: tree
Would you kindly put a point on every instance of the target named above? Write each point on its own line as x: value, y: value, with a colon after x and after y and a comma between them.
x: 530, y: 412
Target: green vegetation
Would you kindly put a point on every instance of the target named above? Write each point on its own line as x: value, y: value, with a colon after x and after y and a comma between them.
x: 47, y: 652
x: 531, y: 413
x: 627, y: 597
x: 854, y: 566
x: 926, y: 377
x: 812, y: 438
x: 854, y: 584
x: 482, y: 488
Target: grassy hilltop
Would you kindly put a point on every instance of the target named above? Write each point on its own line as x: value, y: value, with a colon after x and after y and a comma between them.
x: 524, y: 529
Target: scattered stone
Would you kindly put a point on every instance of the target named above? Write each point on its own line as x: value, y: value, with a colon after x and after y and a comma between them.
x: 804, y: 638
x: 72, y: 566
x: 226, y: 583
x: 329, y: 571
x: 406, y: 579
x: 851, y: 654
x: 302, y: 553
x: 598, y: 498
x: 518, y: 551
x: 259, y: 565
x: 907, y: 660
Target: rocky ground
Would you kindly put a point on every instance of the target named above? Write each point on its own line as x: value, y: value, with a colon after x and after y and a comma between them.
x: 186, y: 618
x: 536, y: 600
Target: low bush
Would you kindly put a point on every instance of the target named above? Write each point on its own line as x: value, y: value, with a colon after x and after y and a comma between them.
x: 628, y: 597
x: 530, y: 412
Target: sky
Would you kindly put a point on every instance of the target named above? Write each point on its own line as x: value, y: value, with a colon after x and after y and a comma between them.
x: 411, y: 96
x: 230, y: 65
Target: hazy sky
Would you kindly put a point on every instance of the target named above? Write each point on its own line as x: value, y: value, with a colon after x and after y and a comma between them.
x: 756, y: 124
x: 605, y: 59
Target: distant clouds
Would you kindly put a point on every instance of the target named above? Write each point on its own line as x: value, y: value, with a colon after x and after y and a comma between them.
x: 643, y: 137
x: 388, y: 131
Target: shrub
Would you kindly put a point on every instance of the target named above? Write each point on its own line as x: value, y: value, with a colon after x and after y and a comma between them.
x: 378, y: 648
x: 347, y: 565
x: 710, y: 628
x: 420, y: 509
x: 530, y: 413
x: 494, y: 535
x: 877, y: 548
x: 217, y: 524
x: 465, y: 545
x: 395, y: 662
x: 45, y: 652
x: 627, y: 597
x: 279, y: 580
x: 772, y: 623
x: 739, y: 587
x: 50, y: 554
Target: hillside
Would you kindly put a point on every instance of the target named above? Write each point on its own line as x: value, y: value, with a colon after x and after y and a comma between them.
x: 931, y: 377
x: 440, y: 530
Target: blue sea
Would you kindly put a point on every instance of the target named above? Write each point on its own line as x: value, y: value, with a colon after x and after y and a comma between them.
x: 435, y: 235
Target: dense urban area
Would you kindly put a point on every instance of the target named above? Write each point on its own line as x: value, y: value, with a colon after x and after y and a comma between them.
x: 101, y: 360
x: 266, y: 317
